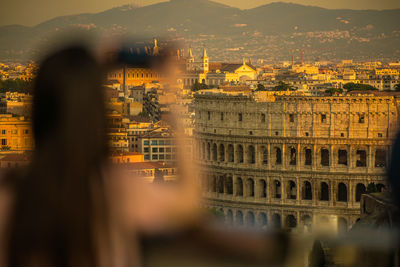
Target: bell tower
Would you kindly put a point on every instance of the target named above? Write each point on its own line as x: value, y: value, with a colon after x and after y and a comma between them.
x: 205, y: 61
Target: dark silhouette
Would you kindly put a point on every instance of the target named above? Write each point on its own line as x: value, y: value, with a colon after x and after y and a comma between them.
x: 59, y: 213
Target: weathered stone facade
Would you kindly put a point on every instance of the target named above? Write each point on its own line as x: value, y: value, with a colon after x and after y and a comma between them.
x: 292, y: 160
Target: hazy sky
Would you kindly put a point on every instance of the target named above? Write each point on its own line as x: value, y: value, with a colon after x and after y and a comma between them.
x: 31, y: 12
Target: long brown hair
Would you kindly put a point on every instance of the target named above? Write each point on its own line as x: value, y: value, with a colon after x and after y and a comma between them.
x: 60, y: 202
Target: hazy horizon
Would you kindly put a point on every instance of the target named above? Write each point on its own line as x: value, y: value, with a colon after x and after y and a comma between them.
x: 34, y: 12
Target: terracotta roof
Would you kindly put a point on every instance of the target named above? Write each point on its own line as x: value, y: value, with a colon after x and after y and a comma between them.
x: 227, y: 67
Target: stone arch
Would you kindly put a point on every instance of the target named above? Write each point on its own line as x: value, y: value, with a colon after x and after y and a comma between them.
x: 220, y: 184
x: 307, y: 191
x: 292, y: 156
x: 221, y: 153
x: 203, y: 150
x: 239, y: 153
x: 229, y: 185
x: 239, y: 187
x: 214, y: 152
x: 262, y: 220
x: 278, y: 156
x: 324, y: 157
x: 277, y: 189
x: 264, y: 155
x: 290, y: 221
x: 276, y: 221
x: 361, y: 157
x: 250, y: 187
x: 250, y: 220
x: 307, y: 156
x: 342, y: 157
x: 251, y: 154
x: 231, y: 153
x: 342, y: 192
x: 324, y: 193
x: 263, y: 188
x: 342, y: 225
x: 208, y: 151
x: 291, y: 190
x: 229, y: 217
x: 360, y: 189
x: 380, y: 187
x: 239, y: 218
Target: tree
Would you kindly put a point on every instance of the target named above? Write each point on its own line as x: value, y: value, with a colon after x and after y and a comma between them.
x: 282, y: 86
x: 371, y: 188
x: 358, y: 87
x: 199, y: 86
x: 260, y: 87
x: 333, y: 91
x: 15, y: 85
x: 397, y: 87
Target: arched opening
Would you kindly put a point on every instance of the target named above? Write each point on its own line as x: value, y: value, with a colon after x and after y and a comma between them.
x: 239, y: 218
x: 221, y: 184
x: 324, y: 157
x: 342, y: 192
x: 308, y: 157
x: 214, y: 152
x: 277, y: 189
x: 293, y: 156
x: 239, y: 187
x: 262, y: 220
x: 276, y: 221
x: 263, y: 189
x: 229, y: 185
x: 221, y: 153
x: 324, y: 192
x: 307, y: 191
x: 264, y: 156
x: 229, y: 217
x: 292, y: 190
x: 203, y: 151
x: 239, y: 154
x: 361, y: 158
x: 208, y: 151
x: 214, y: 184
x: 342, y: 225
x: 250, y: 187
x: 307, y: 223
x: 380, y: 187
x: 380, y: 158
x: 360, y: 189
x: 278, y: 156
x: 250, y: 221
x: 291, y: 221
x: 342, y: 157
x: 231, y: 157
x: 251, y: 155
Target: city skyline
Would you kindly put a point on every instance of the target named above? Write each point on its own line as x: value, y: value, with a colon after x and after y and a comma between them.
x: 33, y: 13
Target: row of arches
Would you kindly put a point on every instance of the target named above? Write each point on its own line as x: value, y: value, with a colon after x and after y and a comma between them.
x: 240, y: 154
x: 277, y: 220
x: 249, y: 187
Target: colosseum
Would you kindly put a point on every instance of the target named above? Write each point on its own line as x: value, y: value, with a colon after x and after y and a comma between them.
x: 292, y: 161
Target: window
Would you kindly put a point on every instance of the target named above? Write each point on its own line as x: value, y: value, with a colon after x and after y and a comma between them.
x: 154, y: 150
x: 240, y: 117
x: 161, y: 150
x: 222, y: 116
x: 146, y: 149
x: 146, y: 143
x: 155, y: 157
x: 361, y: 158
x: 292, y: 159
x: 3, y: 142
x: 341, y: 134
x: 342, y: 157
x: 380, y: 158
x: 154, y: 142
x: 3, y: 131
x: 308, y: 159
x: 208, y: 115
x: 323, y: 118
x: 324, y: 157
x: 262, y: 117
x: 361, y: 118
x: 380, y: 135
x: 291, y: 118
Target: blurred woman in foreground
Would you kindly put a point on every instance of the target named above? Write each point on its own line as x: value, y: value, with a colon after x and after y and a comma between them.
x: 70, y: 208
